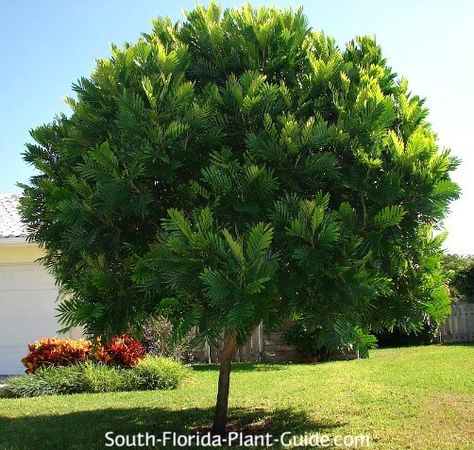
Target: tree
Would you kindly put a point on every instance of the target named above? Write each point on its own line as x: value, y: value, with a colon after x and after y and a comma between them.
x: 460, y: 274
x: 240, y: 167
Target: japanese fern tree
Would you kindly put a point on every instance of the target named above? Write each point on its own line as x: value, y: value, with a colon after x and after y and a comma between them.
x: 240, y: 167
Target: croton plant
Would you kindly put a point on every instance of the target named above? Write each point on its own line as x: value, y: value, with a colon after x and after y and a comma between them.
x: 121, y: 350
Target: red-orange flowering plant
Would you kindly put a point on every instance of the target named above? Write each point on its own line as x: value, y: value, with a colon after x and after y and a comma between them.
x: 56, y: 352
x: 122, y: 350
x: 99, y: 353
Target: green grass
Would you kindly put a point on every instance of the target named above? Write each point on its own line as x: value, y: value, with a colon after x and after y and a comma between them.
x: 409, y: 398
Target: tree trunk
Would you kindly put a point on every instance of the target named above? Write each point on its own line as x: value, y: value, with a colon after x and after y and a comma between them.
x: 225, y: 359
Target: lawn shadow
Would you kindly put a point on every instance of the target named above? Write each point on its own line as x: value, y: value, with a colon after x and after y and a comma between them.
x: 86, y: 429
x: 241, y: 367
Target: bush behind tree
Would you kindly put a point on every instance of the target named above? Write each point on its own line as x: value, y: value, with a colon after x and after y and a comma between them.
x: 323, y: 344
x: 460, y: 273
x: 159, y: 339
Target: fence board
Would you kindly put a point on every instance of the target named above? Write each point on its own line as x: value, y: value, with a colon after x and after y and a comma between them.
x: 459, y: 326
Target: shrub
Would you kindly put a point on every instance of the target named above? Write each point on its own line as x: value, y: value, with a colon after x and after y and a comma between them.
x: 46, y: 352
x: 99, y: 377
x: 122, y: 351
x: 55, y: 352
x: 27, y: 386
x: 63, y: 380
x: 323, y: 344
x: 159, y: 340
x: 158, y: 373
x: 400, y: 337
x: 47, y: 381
x: 149, y: 373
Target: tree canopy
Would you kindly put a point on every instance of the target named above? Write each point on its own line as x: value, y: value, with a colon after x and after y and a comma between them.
x: 237, y: 167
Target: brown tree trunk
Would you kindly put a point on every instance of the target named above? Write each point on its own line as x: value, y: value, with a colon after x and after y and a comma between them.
x: 225, y: 359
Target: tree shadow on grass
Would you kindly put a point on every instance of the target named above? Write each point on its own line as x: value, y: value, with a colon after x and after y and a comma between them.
x: 242, y: 367
x: 86, y: 429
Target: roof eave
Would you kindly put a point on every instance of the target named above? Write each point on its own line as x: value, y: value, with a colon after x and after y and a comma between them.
x: 15, y: 240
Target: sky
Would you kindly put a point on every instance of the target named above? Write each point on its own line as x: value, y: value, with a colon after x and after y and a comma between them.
x: 47, y: 45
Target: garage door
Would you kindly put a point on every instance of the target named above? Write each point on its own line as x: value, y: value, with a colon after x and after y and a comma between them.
x: 27, y: 309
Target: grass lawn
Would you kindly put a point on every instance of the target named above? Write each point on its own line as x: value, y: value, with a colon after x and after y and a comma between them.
x: 409, y: 398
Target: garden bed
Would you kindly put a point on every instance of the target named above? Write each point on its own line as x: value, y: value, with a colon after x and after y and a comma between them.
x: 149, y: 373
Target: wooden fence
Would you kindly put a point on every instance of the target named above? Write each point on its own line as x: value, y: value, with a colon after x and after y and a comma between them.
x: 459, y: 326
x: 264, y: 347
x: 260, y: 347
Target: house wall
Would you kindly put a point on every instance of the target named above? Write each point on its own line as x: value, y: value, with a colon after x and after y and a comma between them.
x: 15, y: 252
x: 28, y: 300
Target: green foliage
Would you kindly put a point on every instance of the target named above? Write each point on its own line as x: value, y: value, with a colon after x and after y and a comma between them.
x: 63, y: 380
x: 239, y: 167
x: 231, y: 275
x: 460, y: 273
x: 100, y: 377
x: 158, y: 373
x: 27, y: 386
x: 323, y: 342
x: 151, y: 373
x: 427, y: 334
x: 47, y: 381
